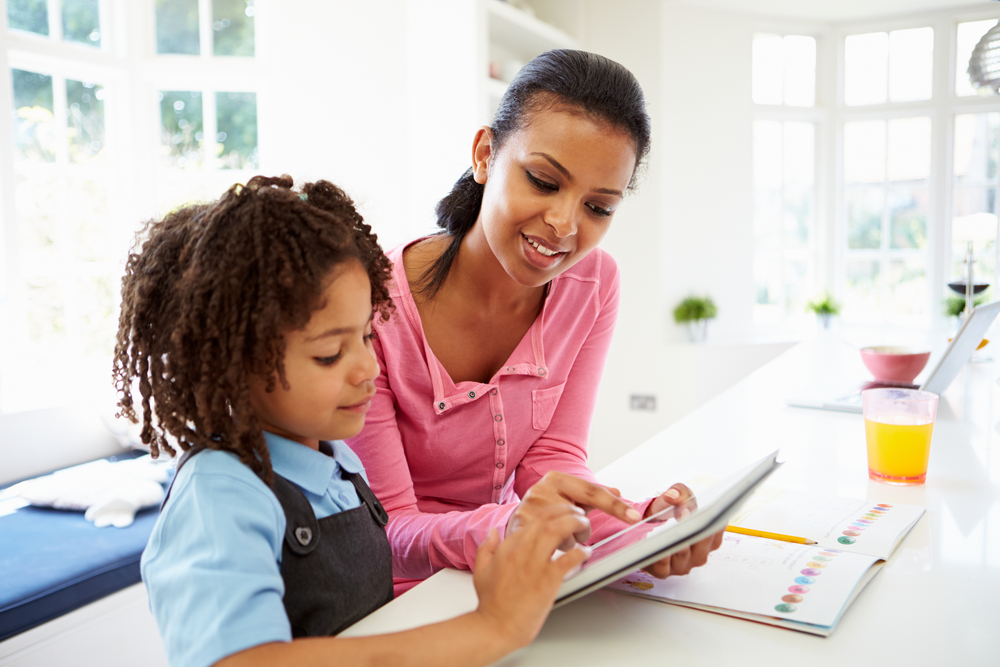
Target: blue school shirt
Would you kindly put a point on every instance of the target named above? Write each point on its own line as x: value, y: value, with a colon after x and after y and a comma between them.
x: 212, y: 566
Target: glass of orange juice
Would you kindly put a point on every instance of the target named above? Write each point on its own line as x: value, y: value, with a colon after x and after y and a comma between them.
x: 898, y: 427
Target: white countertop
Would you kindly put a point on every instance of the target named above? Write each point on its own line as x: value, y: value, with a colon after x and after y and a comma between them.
x: 933, y: 602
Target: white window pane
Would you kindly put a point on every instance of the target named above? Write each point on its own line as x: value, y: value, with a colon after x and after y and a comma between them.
x: 767, y: 219
x: 767, y: 154
x: 799, y: 154
x: 34, y: 122
x: 37, y: 185
x: 908, y: 207
x: 236, y: 126
x: 909, y: 149
x: 233, y: 27
x: 968, y: 36
x: 82, y: 21
x: 798, y: 286
x: 969, y: 200
x: 864, y: 206
x: 866, y: 64
x: 182, y: 136
x: 177, y: 27
x: 768, y: 69
x: 907, y: 283
x: 977, y: 147
x: 910, y: 64
x: 864, y: 151
x: 767, y: 279
x: 861, y: 296
x: 797, y: 218
x: 800, y: 70
x: 85, y: 122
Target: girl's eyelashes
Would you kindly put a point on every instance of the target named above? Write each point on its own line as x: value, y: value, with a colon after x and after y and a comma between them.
x: 544, y: 186
x: 327, y: 361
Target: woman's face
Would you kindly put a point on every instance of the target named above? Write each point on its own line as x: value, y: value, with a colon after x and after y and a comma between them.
x: 550, y: 192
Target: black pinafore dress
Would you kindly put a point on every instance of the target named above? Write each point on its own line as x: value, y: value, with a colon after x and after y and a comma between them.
x: 336, y: 570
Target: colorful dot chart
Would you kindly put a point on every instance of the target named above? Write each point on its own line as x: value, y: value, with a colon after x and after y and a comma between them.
x: 805, y: 587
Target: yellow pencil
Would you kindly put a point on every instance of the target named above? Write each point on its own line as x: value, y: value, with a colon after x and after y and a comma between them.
x: 773, y: 536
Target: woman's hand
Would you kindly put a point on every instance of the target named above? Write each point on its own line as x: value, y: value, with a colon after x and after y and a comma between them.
x: 557, y: 488
x: 683, y: 501
x: 517, y: 579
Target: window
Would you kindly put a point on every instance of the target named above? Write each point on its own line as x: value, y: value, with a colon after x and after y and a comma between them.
x: 884, y: 67
x: 784, y: 202
x: 974, y: 190
x: 784, y: 176
x: 886, y: 204
x: 83, y: 150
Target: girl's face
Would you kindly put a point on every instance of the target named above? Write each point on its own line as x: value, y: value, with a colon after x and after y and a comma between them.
x: 330, y: 367
x: 551, y: 192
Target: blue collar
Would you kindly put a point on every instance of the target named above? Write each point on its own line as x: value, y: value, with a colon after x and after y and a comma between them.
x: 304, y: 466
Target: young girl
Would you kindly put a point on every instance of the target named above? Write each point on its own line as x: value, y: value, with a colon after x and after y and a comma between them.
x: 491, y: 364
x: 246, y: 327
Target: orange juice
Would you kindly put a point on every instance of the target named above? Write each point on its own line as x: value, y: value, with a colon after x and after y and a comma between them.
x: 898, y: 453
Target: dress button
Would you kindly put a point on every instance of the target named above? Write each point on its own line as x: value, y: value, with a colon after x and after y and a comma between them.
x: 472, y: 394
x: 499, y: 465
x: 493, y: 391
x: 303, y: 535
x: 498, y: 418
x: 441, y: 405
x: 510, y: 369
x: 541, y: 371
x: 497, y: 487
x: 501, y: 442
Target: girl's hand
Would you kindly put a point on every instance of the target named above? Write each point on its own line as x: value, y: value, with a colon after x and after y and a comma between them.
x: 557, y: 488
x: 682, y: 499
x: 517, y: 579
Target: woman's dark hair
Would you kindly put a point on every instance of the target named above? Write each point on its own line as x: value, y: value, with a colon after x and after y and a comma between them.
x: 602, y: 89
x: 207, y: 298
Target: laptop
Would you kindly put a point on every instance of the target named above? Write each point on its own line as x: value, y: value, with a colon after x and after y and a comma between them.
x: 958, y: 352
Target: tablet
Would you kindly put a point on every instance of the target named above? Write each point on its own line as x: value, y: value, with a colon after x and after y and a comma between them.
x: 667, y: 532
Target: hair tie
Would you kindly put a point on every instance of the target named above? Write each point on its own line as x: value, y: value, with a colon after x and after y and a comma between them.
x: 303, y: 196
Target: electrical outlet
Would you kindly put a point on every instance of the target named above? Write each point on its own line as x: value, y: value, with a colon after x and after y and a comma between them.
x: 642, y: 402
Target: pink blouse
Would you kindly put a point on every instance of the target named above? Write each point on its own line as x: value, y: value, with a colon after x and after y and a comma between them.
x: 450, y: 461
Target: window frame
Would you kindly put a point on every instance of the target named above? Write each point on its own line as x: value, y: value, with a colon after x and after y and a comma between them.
x: 127, y: 66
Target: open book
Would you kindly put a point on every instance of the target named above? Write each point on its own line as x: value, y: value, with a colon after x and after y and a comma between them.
x: 798, y: 586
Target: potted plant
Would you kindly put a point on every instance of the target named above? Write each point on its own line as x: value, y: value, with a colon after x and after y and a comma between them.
x: 694, y: 312
x: 954, y: 306
x: 825, y: 308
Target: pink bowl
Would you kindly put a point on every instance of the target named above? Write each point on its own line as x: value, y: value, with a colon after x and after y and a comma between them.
x: 894, y: 364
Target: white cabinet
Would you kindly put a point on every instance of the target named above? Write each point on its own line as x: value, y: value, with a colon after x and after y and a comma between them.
x: 511, y: 36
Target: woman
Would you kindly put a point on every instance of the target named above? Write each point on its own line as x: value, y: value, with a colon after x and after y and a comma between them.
x: 491, y: 365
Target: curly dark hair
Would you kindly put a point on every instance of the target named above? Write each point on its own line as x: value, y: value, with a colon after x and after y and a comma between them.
x: 207, y: 297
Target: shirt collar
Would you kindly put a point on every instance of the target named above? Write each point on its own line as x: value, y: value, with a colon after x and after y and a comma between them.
x: 306, y: 467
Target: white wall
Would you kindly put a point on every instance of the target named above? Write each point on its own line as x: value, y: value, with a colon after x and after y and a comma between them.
x: 380, y: 98
x: 688, y: 228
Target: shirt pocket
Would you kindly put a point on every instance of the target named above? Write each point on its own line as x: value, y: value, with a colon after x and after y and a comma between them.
x: 543, y: 405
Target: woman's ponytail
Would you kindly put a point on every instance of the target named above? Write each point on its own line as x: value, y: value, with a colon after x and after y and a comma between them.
x: 456, y: 214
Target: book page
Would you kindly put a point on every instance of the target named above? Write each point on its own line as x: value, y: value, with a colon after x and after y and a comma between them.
x: 782, y: 580
x: 847, y: 524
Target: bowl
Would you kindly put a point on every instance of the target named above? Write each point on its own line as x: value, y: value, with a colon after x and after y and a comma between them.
x: 890, y: 363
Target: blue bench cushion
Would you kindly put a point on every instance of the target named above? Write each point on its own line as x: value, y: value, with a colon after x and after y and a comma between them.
x: 55, y: 561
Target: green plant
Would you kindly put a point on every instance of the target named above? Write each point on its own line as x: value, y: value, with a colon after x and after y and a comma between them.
x: 695, y: 308
x: 954, y: 306
x: 826, y: 305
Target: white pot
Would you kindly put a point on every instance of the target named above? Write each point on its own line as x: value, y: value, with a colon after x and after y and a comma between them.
x: 697, y: 331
